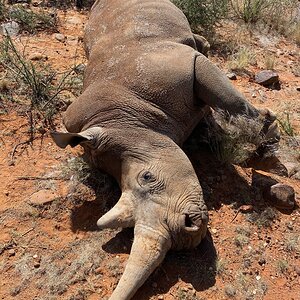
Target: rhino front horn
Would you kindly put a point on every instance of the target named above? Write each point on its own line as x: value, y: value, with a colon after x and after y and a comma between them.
x: 147, y: 252
x: 121, y: 215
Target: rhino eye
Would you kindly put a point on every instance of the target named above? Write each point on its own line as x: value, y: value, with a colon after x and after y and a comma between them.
x: 147, y: 176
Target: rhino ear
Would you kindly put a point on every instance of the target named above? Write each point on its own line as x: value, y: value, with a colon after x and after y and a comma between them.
x: 63, y: 139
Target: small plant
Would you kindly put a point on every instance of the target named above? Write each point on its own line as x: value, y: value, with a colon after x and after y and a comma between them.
x: 233, y: 139
x: 250, y: 11
x: 285, y: 124
x: 220, y: 266
x: 296, y: 33
x: 241, y: 240
x: 230, y: 291
x: 282, y: 266
x: 37, y: 80
x: 203, y: 15
x: 63, y: 4
x: 264, y: 218
x: 270, y: 62
x: 241, y: 59
x: 33, y: 21
x: 292, y: 243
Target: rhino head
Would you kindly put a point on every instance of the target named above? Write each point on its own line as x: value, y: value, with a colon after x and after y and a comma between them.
x: 161, y: 198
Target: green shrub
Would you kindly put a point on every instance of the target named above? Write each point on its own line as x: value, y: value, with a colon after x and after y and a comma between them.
x: 32, y: 21
x: 44, y: 86
x: 279, y: 15
x: 203, y: 14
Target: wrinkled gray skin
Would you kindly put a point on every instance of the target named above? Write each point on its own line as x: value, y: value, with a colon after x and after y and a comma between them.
x: 146, y: 87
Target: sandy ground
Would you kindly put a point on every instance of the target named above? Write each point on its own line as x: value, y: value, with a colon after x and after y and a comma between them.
x: 54, y: 250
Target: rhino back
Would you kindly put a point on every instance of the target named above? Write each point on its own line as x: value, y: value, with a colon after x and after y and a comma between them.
x: 140, y: 70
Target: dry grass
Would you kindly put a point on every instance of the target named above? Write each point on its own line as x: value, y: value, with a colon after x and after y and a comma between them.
x: 241, y: 58
x: 54, y: 277
x: 233, y: 139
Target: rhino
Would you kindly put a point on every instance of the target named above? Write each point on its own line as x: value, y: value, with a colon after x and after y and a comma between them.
x: 147, y: 85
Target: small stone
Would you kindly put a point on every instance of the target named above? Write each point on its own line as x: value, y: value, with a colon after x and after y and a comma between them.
x: 42, y: 197
x: 231, y: 76
x: 266, y: 78
x: 60, y: 37
x: 298, y: 88
x: 37, y: 56
x: 6, y: 193
x: 4, y: 85
x: 246, y: 208
x: 297, y: 270
x: 160, y: 297
x: 10, y: 28
x: 36, y: 265
x: 282, y: 196
x: 290, y: 226
x: 262, y: 261
x: 79, y: 69
x: 11, y: 252
x: 74, y: 20
x: 213, y: 230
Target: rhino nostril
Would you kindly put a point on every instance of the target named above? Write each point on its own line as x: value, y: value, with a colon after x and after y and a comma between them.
x: 188, y: 222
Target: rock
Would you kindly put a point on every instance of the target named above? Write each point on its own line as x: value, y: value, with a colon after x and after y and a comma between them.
x: 160, y: 297
x: 298, y: 88
x: 4, y: 85
x: 231, y: 76
x: 73, y: 20
x: 37, y: 56
x: 282, y: 196
x: 246, y: 208
x: 79, y: 69
x: 297, y: 270
x: 60, y: 37
x: 10, y: 28
x: 36, y: 265
x: 262, y: 261
x: 11, y: 252
x: 42, y: 197
x: 266, y: 78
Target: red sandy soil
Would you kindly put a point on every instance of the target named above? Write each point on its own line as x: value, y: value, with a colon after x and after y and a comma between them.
x: 54, y: 251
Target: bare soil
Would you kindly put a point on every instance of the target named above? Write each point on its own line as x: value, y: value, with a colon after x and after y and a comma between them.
x: 53, y: 250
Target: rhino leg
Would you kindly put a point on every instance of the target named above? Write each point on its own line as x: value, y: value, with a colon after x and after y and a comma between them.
x: 202, y: 44
x: 214, y: 88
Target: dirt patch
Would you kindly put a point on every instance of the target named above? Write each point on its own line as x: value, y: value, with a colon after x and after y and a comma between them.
x: 53, y: 250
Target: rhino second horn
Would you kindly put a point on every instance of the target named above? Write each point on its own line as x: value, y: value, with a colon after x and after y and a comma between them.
x: 147, y: 252
x: 121, y: 215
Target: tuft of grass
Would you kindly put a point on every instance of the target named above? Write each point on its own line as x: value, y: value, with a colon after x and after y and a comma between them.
x: 63, y: 4
x: 203, y: 14
x: 264, y: 218
x: 185, y: 294
x: 220, y: 266
x: 242, y: 237
x: 270, y: 62
x: 230, y: 291
x: 241, y: 59
x: 250, y: 11
x: 282, y: 266
x: 233, y: 139
x: 276, y: 14
x: 285, y: 124
x: 296, y: 33
x: 44, y: 86
x: 291, y: 243
x: 31, y: 21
